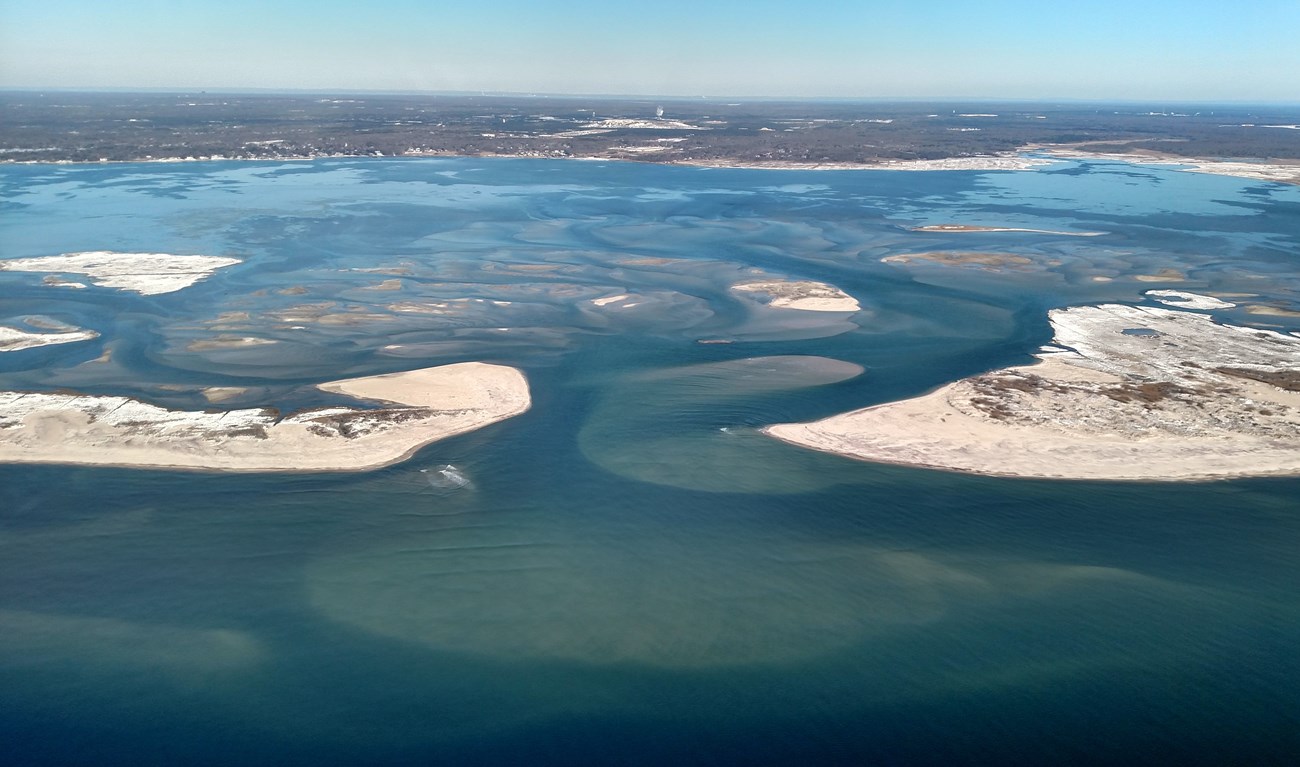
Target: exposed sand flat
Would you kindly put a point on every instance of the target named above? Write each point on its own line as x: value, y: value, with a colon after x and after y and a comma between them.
x: 422, y: 406
x: 1131, y: 393
x: 1271, y: 311
x: 1164, y: 275
x: 62, y: 283
x: 14, y: 339
x: 222, y: 393
x: 1185, y: 300
x: 970, y: 228
x: 145, y: 273
x: 227, y: 342
x: 804, y: 295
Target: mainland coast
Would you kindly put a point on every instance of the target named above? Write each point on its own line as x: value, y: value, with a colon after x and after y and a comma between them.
x: 1124, y: 393
x: 416, y: 408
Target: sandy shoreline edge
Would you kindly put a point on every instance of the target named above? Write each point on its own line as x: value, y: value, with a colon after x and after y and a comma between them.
x: 421, y: 407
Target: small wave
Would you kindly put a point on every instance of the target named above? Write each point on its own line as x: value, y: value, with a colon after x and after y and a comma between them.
x: 446, y: 477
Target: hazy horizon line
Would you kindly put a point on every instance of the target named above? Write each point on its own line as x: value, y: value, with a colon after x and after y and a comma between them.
x: 254, y: 90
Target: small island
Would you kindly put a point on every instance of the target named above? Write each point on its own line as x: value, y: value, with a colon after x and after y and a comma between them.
x: 144, y: 273
x: 418, y: 407
x: 805, y: 295
x: 1124, y: 393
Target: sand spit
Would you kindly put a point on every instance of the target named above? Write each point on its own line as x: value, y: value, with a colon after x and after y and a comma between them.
x: 1185, y: 300
x: 15, y: 339
x: 980, y: 163
x: 1283, y: 173
x: 970, y: 228
x: 1127, y: 393
x: 1280, y: 171
x: 422, y: 406
x: 804, y: 295
x: 145, y: 273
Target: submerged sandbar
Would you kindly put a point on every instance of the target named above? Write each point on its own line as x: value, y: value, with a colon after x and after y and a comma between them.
x: 1127, y: 393
x: 420, y: 407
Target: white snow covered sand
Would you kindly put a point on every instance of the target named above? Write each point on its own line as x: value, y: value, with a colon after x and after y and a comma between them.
x: 422, y: 406
x: 145, y: 273
x: 1184, y: 300
x: 1127, y: 393
x: 14, y: 339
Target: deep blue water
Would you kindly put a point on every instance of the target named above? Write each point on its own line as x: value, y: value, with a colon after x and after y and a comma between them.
x: 624, y: 581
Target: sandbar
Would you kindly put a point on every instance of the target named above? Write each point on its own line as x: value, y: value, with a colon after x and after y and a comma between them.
x: 973, y: 228
x: 15, y: 339
x: 1271, y: 311
x: 418, y: 407
x: 1184, y: 300
x: 804, y: 295
x: 145, y: 273
x: 1125, y: 393
x: 985, y: 261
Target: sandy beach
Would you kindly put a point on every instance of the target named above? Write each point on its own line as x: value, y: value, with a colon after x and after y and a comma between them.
x: 1126, y: 393
x: 417, y: 407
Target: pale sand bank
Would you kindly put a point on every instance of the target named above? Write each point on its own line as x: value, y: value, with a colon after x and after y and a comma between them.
x: 1185, y: 300
x: 1131, y: 393
x: 1164, y: 275
x: 15, y: 339
x: 145, y: 273
x: 972, y: 228
x: 424, y: 406
x: 985, y: 261
x: 1271, y: 311
x: 805, y: 295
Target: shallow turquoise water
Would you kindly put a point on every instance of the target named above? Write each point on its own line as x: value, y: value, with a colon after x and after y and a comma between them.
x: 634, y: 575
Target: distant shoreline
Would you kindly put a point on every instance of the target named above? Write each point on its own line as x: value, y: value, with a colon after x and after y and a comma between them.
x: 1263, y: 169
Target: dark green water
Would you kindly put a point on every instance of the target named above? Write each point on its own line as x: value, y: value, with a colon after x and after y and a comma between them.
x: 634, y: 575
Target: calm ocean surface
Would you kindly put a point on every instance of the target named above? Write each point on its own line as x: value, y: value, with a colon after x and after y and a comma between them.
x: 633, y: 574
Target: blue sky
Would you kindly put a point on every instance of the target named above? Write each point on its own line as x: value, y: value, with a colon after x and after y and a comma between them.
x: 1140, y: 49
